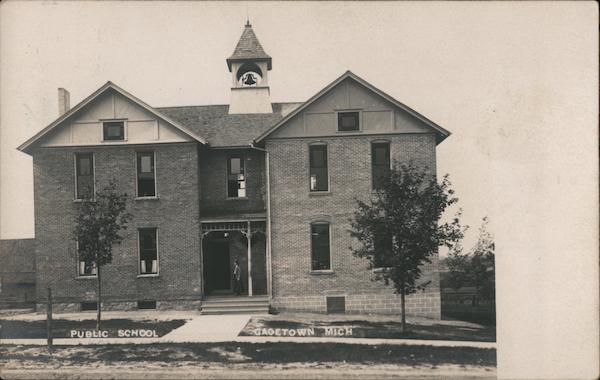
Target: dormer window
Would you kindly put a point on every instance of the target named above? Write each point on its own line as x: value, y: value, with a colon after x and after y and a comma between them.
x: 348, y: 121
x: 113, y: 130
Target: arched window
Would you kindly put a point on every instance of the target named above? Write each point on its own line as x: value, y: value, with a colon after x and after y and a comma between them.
x: 249, y: 75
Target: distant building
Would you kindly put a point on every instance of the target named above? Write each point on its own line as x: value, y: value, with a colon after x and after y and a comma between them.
x: 17, y: 273
x: 269, y: 184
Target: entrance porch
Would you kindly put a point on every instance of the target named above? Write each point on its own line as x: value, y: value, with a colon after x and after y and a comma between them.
x: 224, y: 243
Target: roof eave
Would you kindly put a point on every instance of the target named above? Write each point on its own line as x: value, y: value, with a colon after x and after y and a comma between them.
x: 268, y: 59
x: 27, y: 146
x: 441, y: 133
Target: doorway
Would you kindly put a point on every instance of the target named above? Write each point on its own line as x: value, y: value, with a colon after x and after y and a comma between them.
x: 216, y: 266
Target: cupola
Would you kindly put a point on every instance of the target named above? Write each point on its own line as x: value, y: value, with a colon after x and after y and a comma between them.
x: 249, y: 66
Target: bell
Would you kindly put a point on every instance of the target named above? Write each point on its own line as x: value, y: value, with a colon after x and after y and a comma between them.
x: 249, y: 80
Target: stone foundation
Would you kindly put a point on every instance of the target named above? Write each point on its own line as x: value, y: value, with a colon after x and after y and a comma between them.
x: 418, y: 304
x: 121, y: 306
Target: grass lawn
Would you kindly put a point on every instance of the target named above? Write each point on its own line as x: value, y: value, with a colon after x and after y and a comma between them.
x: 61, y: 328
x: 373, y: 327
x: 235, y: 354
x: 482, y: 314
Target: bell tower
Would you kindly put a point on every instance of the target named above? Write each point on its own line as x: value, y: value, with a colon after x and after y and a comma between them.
x: 249, y: 66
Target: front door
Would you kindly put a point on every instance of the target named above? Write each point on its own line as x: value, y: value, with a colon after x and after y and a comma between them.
x: 216, y: 266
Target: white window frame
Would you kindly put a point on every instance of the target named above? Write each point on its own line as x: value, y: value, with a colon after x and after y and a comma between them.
x: 75, y: 197
x: 319, y: 143
x: 328, y: 223
x: 125, y: 134
x: 139, y: 255
x: 155, y: 196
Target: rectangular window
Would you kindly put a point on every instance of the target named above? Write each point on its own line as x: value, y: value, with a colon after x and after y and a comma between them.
x: 318, y: 168
x: 321, y: 259
x: 88, y: 306
x: 383, y: 246
x: 236, y: 177
x: 336, y: 304
x: 146, y: 179
x: 348, y: 121
x: 146, y: 305
x: 84, y: 174
x: 148, y: 251
x: 380, y: 163
x: 113, y: 130
x: 85, y: 267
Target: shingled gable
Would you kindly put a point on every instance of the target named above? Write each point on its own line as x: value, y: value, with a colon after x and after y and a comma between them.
x: 249, y: 48
x: 441, y: 133
x: 27, y: 146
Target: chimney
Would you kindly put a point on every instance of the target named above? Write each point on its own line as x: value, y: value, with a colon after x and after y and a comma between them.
x: 63, y: 101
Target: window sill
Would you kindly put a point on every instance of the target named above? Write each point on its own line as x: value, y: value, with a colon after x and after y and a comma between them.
x: 319, y: 193
x: 321, y: 273
x: 154, y: 198
x: 150, y: 275
x: 246, y: 87
x: 236, y: 198
x: 113, y: 141
x: 381, y: 269
x: 86, y: 277
x: 83, y: 200
x: 356, y: 131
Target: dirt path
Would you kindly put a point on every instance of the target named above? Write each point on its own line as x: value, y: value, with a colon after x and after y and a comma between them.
x: 305, y: 371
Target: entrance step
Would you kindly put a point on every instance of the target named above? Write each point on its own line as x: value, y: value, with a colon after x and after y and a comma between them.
x: 235, y: 305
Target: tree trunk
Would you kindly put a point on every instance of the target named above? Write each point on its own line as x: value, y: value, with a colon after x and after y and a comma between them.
x: 99, y: 307
x: 49, y: 318
x: 402, y: 304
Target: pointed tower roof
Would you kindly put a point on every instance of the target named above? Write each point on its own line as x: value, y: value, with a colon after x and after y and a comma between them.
x: 248, y: 49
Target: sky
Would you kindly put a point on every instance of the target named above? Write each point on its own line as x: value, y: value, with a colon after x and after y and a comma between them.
x: 439, y: 60
x: 515, y: 83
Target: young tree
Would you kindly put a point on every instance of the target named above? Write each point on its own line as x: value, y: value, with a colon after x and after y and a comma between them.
x: 482, y: 270
x: 457, y: 264
x: 476, y: 267
x: 398, y: 228
x: 98, y: 228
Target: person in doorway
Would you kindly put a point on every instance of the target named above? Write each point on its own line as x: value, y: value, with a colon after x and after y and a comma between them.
x: 238, y: 288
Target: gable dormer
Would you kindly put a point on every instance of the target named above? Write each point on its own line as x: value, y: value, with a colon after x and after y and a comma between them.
x: 109, y: 116
x: 352, y: 106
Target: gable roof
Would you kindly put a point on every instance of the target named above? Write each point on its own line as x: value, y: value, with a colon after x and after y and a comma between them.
x: 28, y: 145
x: 440, y: 132
x: 248, y: 48
x: 222, y: 129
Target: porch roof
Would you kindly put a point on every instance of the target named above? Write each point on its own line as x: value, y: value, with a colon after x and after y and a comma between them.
x: 230, y: 217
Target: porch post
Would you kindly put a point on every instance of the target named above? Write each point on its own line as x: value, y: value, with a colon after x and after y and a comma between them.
x: 202, y: 236
x: 249, y: 239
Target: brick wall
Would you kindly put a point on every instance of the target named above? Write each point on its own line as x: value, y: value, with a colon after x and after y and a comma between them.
x: 213, y: 182
x: 175, y: 213
x: 293, y: 208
